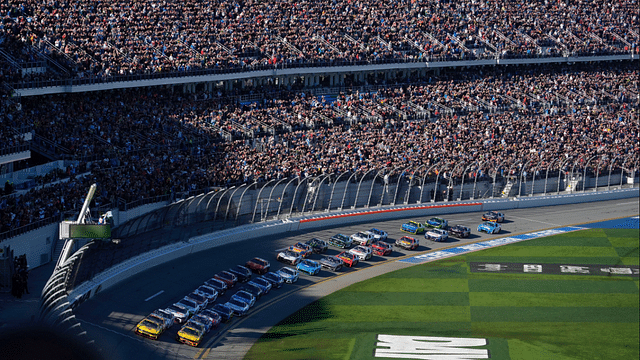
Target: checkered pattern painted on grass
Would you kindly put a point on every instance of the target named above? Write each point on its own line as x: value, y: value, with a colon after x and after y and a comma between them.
x: 523, y: 316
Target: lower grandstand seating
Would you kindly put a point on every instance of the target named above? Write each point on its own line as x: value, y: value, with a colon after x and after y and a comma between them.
x: 142, y: 143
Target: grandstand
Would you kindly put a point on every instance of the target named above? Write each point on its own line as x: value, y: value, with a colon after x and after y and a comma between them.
x: 199, y: 116
x: 157, y: 102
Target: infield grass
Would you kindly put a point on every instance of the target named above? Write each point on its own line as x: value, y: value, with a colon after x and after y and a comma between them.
x: 523, y: 316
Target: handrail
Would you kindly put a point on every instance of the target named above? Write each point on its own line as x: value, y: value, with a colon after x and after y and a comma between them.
x: 290, y: 46
x: 47, y: 58
x: 326, y: 43
x: 358, y: 43
x: 620, y: 38
x: 504, y: 38
x: 458, y: 42
x: 32, y: 226
x: 432, y: 38
x: 14, y: 149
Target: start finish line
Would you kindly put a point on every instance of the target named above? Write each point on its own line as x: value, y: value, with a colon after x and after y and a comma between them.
x: 459, y: 250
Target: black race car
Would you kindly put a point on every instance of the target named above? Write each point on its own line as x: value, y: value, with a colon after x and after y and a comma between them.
x: 459, y: 231
x: 493, y: 216
x: 319, y: 246
x: 242, y: 273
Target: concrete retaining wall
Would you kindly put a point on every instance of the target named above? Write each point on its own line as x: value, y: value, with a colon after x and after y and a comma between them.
x: 36, y: 244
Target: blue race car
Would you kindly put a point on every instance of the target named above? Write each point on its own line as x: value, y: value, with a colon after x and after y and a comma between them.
x: 238, y: 307
x: 288, y: 274
x: 413, y: 227
x: 437, y: 223
x: 490, y: 227
x: 276, y: 280
x: 309, y: 266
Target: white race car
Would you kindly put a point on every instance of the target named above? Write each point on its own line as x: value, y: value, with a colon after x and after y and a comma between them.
x: 362, y: 252
x: 363, y: 238
x: 438, y: 235
x: 290, y: 257
x: 378, y: 234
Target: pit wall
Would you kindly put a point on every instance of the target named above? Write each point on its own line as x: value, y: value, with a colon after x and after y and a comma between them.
x: 148, y: 260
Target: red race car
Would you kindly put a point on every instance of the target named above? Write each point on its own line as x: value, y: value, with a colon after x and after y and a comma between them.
x: 348, y: 259
x: 381, y: 248
x: 258, y: 265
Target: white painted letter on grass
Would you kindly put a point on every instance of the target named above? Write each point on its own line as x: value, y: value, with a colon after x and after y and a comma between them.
x: 430, y: 348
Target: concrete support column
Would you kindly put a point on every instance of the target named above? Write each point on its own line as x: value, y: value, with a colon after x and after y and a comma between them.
x: 316, y: 80
x: 332, y: 80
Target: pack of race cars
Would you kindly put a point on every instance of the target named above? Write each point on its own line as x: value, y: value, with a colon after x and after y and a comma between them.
x: 438, y: 229
x: 198, y: 313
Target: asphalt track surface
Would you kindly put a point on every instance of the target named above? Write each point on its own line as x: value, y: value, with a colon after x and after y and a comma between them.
x: 111, y: 316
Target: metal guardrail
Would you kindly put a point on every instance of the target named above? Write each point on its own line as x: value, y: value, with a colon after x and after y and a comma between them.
x: 32, y: 226
x: 14, y: 149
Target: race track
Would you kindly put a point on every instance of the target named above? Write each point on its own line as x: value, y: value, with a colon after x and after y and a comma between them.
x: 111, y: 316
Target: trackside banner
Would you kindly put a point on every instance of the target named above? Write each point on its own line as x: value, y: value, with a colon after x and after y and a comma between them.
x: 459, y: 250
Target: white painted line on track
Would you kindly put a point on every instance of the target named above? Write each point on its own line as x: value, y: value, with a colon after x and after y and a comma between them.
x: 152, y: 296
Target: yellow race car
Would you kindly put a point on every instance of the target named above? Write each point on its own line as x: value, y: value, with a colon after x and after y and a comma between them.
x: 189, y: 335
x: 150, y: 328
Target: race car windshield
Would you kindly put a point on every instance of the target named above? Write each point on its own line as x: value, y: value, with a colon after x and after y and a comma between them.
x: 190, y: 331
x: 205, y: 290
x: 188, y: 303
x: 241, y: 269
x: 196, y: 297
x: 221, y: 308
x: 259, y: 262
x: 201, y: 319
x: 243, y: 294
x: 271, y: 276
x: 149, y: 324
x: 237, y: 303
x: 176, y: 309
x: 288, y: 271
x: 212, y: 314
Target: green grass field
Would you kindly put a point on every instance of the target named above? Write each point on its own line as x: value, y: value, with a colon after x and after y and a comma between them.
x: 522, y: 316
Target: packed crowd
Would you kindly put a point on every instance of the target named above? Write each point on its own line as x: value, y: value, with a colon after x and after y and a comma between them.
x: 9, y: 128
x: 123, y: 37
x: 152, y: 142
